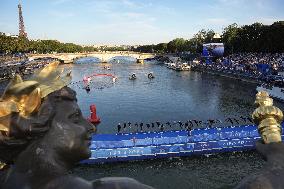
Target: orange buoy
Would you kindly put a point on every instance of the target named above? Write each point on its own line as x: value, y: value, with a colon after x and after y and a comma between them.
x: 94, y: 118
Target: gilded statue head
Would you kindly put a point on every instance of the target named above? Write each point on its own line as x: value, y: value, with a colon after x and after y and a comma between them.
x: 43, y: 108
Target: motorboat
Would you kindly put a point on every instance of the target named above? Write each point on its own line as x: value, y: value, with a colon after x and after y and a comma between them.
x: 133, y: 76
x: 151, y: 75
x: 185, y: 67
x: 178, y: 66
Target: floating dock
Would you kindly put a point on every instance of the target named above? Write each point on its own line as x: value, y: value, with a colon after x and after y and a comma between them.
x: 152, y: 145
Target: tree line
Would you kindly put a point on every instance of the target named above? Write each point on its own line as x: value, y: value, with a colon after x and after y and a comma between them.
x: 248, y: 38
x: 12, y: 45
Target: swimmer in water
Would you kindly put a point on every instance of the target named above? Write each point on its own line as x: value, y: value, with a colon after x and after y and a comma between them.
x: 148, y: 125
x: 180, y: 124
x: 230, y: 120
x: 136, y: 125
x: 162, y: 127
x: 237, y: 121
x: 141, y: 127
x: 118, y: 128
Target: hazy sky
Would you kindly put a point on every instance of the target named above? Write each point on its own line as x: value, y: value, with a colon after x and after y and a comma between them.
x: 132, y: 21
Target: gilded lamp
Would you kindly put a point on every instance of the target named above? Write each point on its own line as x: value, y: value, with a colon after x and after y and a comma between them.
x: 268, y: 118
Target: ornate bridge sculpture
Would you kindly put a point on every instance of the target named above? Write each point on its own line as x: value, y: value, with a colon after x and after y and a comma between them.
x: 103, y: 56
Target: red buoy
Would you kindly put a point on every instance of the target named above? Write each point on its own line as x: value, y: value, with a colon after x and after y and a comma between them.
x: 94, y: 118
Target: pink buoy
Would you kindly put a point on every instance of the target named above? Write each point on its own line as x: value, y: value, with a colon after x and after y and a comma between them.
x: 94, y: 118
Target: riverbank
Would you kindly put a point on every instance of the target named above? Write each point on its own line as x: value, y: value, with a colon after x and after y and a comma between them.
x: 228, y: 74
x: 9, y: 69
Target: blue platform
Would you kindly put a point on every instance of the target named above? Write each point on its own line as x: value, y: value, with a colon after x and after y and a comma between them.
x: 150, y: 145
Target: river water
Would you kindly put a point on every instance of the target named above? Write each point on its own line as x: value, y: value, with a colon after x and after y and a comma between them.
x: 170, y: 96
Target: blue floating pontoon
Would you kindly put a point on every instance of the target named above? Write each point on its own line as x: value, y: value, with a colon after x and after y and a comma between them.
x: 151, y: 145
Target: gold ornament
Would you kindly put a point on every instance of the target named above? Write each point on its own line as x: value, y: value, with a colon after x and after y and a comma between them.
x: 50, y: 79
x: 268, y: 118
x: 2, y: 165
x: 24, y: 97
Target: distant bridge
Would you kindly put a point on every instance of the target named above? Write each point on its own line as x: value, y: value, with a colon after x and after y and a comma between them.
x: 103, y: 56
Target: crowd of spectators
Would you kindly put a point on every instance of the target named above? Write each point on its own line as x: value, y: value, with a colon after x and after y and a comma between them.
x: 11, y: 65
x: 11, y: 58
x: 260, y: 67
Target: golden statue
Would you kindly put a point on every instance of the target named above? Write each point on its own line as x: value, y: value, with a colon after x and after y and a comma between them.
x: 268, y: 118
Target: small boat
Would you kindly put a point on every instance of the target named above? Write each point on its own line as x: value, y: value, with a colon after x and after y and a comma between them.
x: 185, y: 67
x: 132, y: 77
x: 151, y: 75
x: 178, y: 67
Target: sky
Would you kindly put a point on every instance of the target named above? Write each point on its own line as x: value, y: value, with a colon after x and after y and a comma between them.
x: 132, y: 22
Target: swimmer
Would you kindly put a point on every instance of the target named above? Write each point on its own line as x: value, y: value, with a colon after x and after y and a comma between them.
x: 118, y: 128
x: 250, y: 120
x: 141, y: 126
x: 87, y: 88
x: 210, y: 122
x: 169, y: 124
x: 180, y: 124
x: 148, y: 125
x: 196, y: 122
x: 237, y: 121
x: 186, y: 125
x: 162, y: 127
x: 230, y: 120
x: 190, y: 124
x: 244, y: 119
x: 136, y: 125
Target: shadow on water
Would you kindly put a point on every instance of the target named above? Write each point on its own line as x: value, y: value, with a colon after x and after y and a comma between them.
x: 214, y: 172
x: 87, y: 60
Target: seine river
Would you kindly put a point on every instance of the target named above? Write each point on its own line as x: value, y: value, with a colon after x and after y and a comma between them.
x: 170, y: 96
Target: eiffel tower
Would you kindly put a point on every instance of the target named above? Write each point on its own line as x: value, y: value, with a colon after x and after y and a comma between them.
x: 22, y: 32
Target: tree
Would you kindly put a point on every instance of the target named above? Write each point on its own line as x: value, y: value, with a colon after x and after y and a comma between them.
x: 229, y: 37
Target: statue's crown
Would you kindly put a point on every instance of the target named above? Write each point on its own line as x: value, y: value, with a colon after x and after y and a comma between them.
x: 24, y: 97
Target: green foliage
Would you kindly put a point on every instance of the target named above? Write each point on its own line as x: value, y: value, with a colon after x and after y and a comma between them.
x: 254, y: 38
x: 10, y: 44
x: 249, y: 38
